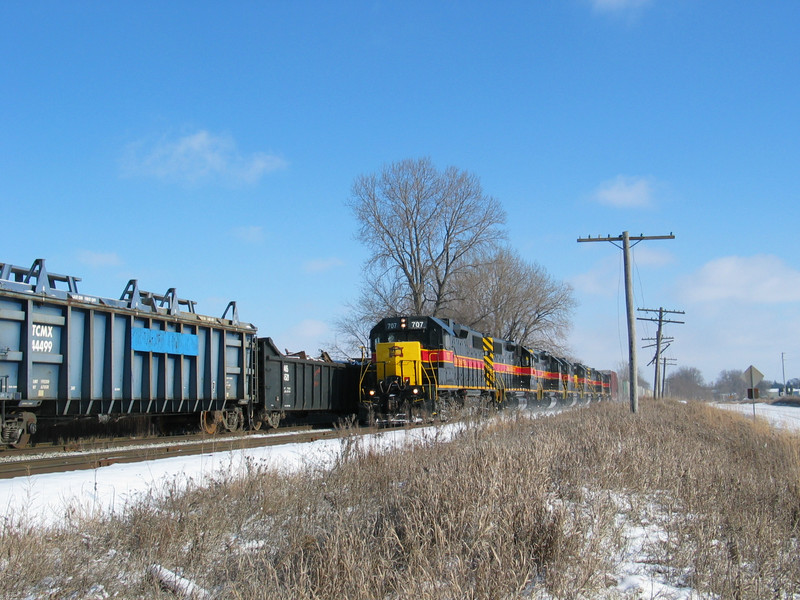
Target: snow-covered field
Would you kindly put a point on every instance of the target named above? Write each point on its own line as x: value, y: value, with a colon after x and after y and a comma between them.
x: 50, y: 499
x: 786, y: 416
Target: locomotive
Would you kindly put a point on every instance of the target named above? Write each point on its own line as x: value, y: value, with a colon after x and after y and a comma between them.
x: 67, y: 357
x: 422, y: 367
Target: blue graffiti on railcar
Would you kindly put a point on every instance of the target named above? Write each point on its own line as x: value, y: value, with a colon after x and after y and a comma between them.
x: 167, y: 342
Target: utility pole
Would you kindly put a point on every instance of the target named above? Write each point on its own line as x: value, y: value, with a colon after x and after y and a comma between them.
x: 626, y: 239
x: 661, y: 320
x: 664, y: 374
x: 783, y: 370
x: 665, y: 344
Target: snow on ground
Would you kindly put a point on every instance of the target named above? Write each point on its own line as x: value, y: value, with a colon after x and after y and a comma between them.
x: 47, y: 499
x: 50, y: 499
x: 783, y: 414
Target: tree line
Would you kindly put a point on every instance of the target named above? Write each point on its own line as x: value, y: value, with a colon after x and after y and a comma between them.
x: 688, y: 383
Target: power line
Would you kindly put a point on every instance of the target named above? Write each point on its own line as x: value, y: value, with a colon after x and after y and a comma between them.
x: 660, y: 320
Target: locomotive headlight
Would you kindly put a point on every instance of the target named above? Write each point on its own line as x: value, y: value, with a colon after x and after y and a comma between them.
x: 371, y: 392
x: 415, y: 391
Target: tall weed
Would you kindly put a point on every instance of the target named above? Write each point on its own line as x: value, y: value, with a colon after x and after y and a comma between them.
x: 509, y: 508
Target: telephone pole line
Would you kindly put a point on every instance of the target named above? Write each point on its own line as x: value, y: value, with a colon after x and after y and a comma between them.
x: 666, y: 342
x: 666, y: 361
x: 626, y: 239
x: 660, y: 320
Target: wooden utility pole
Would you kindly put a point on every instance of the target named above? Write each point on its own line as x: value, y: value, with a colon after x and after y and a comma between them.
x: 666, y: 362
x: 783, y: 370
x: 665, y: 343
x: 660, y: 320
x: 626, y: 239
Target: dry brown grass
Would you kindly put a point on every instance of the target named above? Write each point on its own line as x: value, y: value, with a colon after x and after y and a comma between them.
x: 506, y: 510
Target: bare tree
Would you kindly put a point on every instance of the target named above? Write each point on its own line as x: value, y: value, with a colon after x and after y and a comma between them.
x: 687, y: 382
x: 501, y: 294
x: 354, y: 326
x: 731, y: 383
x: 420, y: 225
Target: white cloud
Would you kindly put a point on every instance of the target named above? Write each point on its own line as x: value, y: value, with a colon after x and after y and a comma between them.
x: 306, y: 335
x: 310, y: 327
x: 625, y: 192
x: 646, y: 256
x: 606, y: 276
x: 609, y: 6
x: 603, y: 280
x: 252, y: 234
x: 763, y: 279
x: 322, y: 264
x: 197, y: 157
x: 99, y: 259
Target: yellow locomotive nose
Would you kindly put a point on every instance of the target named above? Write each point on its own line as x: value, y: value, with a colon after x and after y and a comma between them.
x: 401, y: 361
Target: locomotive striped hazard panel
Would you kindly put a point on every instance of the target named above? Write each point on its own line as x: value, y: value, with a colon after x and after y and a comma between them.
x: 488, y: 361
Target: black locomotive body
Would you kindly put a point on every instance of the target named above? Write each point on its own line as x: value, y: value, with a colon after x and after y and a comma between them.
x: 421, y: 367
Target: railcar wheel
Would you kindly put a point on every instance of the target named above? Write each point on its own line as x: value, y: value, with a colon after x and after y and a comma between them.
x: 273, y: 419
x: 26, y: 427
x: 256, y: 424
x: 258, y: 419
x: 232, y: 420
x: 209, y: 421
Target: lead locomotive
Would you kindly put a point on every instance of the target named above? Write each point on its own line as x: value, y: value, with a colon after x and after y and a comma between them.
x: 422, y: 366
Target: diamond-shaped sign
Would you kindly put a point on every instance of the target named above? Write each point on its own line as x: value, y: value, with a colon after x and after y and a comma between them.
x: 752, y: 376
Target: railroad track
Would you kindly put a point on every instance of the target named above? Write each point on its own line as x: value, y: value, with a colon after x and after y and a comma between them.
x: 36, y: 461
x: 95, y: 443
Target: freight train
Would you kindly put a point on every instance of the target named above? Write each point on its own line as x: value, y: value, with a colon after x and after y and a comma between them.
x: 67, y: 357
x: 422, y: 367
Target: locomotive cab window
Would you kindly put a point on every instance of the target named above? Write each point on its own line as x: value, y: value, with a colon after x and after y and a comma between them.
x: 399, y: 336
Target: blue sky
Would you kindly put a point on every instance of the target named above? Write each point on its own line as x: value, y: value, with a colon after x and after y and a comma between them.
x: 211, y: 147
